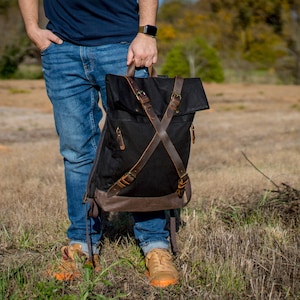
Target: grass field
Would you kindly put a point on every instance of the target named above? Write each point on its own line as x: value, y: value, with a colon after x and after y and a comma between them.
x: 241, y: 235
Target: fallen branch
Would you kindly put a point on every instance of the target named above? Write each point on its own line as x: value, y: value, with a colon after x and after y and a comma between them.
x: 284, y: 193
x: 252, y: 164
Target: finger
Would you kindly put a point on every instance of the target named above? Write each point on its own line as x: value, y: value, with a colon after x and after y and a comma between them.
x: 149, y: 62
x: 138, y: 63
x: 55, y: 39
x: 154, y: 59
x: 130, y: 57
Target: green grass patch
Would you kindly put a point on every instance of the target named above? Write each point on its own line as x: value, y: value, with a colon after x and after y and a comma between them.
x: 19, y: 91
x: 296, y: 106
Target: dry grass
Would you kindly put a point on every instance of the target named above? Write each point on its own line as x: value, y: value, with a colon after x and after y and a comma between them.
x: 240, y: 239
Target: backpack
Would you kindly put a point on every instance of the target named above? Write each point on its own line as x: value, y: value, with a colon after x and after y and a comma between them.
x: 143, y: 152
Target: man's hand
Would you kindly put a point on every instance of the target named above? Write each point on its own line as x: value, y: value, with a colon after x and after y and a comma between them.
x: 42, y: 38
x: 142, y: 51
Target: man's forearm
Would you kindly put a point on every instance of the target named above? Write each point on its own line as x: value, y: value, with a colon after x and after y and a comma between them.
x: 42, y: 38
x: 30, y: 13
x: 148, y: 12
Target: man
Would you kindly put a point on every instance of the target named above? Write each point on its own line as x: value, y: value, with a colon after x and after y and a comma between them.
x: 83, y: 41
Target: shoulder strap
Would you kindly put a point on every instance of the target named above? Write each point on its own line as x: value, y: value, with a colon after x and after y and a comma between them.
x: 130, y: 176
x: 160, y: 135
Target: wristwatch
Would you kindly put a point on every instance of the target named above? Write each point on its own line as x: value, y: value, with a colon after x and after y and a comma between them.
x: 148, y: 29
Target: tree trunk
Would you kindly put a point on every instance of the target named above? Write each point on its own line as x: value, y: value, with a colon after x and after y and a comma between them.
x: 191, y: 60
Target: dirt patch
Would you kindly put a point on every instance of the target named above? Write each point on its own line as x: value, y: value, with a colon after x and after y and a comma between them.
x: 24, y: 93
x: 25, y: 112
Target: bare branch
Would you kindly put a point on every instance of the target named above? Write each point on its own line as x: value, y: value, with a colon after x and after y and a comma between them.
x: 252, y: 164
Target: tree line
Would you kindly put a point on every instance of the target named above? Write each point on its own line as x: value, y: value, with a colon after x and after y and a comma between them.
x: 246, y: 35
x: 206, y: 38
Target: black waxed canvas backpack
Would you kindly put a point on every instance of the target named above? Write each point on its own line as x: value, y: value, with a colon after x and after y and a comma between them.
x: 144, y: 148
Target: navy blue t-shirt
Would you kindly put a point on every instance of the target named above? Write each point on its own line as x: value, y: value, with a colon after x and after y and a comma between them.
x: 93, y: 22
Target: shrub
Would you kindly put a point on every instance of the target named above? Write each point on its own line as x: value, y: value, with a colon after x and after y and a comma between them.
x: 194, y: 59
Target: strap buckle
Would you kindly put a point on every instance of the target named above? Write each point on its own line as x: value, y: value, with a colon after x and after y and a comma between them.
x: 140, y: 92
x: 176, y: 96
x: 127, y: 179
x: 182, y: 181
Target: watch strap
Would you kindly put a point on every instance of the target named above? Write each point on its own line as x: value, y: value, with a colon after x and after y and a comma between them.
x: 148, y: 29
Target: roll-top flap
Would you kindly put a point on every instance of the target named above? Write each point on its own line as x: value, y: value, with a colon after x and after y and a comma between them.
x: 159, y: 90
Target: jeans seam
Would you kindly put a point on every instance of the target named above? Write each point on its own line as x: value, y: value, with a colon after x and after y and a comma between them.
x: 92, y: 119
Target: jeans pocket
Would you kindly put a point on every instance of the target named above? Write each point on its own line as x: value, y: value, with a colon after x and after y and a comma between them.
x: 44, y: 51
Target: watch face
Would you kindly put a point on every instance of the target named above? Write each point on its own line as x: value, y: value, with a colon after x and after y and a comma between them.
x: 151, y: 30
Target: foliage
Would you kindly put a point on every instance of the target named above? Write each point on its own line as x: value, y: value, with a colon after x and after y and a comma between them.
x: 175, y: 63
x: 15, y: 45
x: 9, y: 62
x: 261, y: 32
x: 12, y: 56
x: 194, y: 59
x: 6, y: 4
x: 266, y: 48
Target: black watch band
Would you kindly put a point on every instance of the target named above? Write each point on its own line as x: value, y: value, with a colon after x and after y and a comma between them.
x: 148, y: 29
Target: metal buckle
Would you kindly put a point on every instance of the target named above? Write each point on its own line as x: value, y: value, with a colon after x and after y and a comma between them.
x: 127, y: 179
x: 182, y: 181
x: 140, y: 92
x: 175, y: 95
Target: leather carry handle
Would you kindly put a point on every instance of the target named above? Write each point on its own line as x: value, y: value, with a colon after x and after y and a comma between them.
x: 160, y: 135
x: 131, y: 70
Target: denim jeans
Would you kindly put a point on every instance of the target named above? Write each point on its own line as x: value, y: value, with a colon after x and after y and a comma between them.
x: 75, y: 77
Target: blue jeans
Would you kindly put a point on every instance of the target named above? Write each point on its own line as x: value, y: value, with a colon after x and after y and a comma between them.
x: 75, y: 76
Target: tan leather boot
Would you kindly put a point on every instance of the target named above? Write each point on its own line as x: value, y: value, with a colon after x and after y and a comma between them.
x: 70, y: 265
x: 161, y: 269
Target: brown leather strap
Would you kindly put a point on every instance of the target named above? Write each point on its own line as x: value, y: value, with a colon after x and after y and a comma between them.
x: 131, y: 70
x: 173, y: 235
x: 173, y: 154
x: 130, y: 176
x: 87, y: 234
x: 136, y: 204
x: 147, y: 106
x: 161, y: 135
